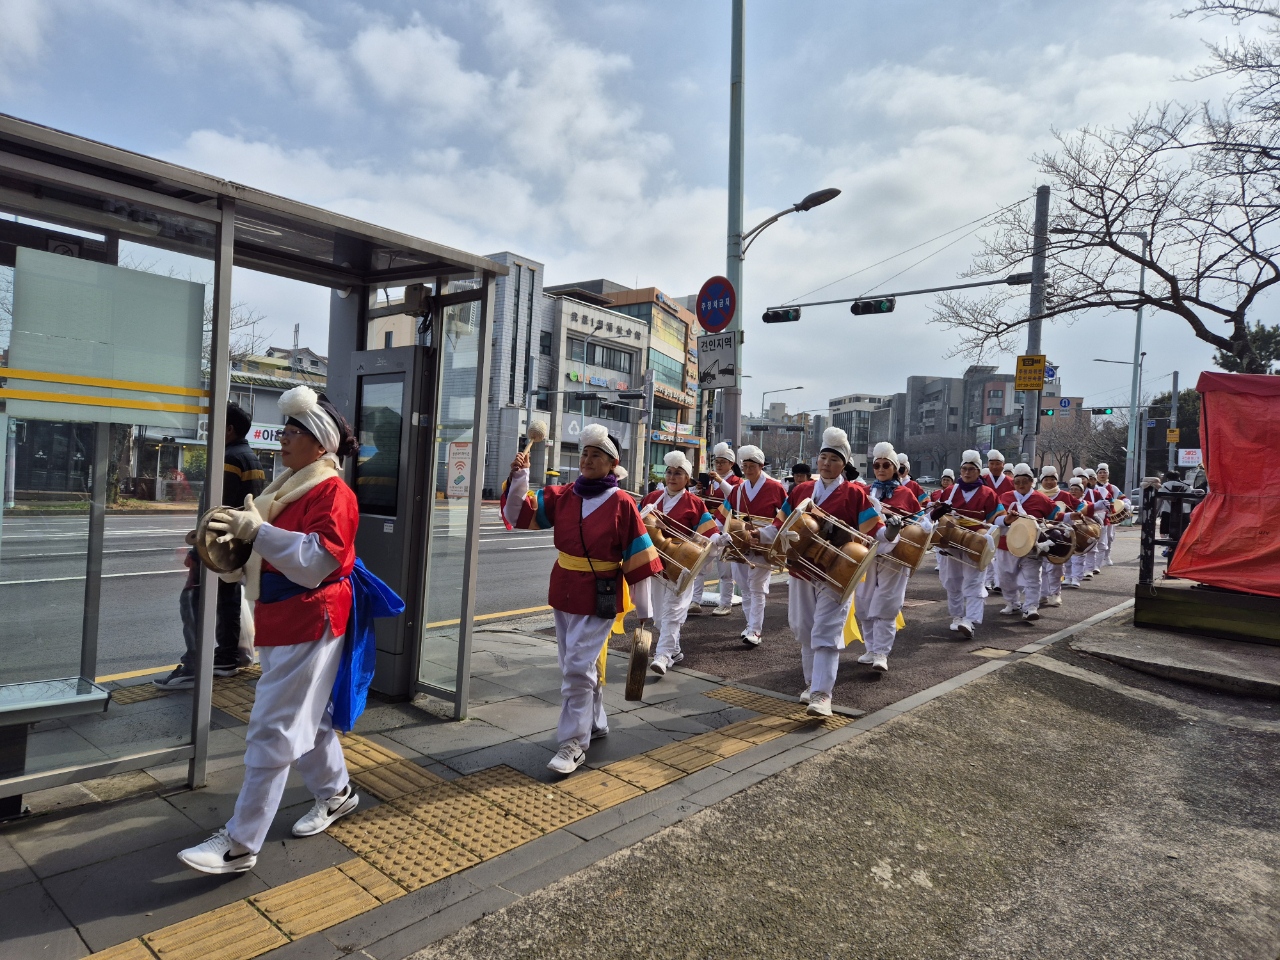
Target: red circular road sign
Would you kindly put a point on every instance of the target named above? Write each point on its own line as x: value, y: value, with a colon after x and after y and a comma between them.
x: 717, y: 302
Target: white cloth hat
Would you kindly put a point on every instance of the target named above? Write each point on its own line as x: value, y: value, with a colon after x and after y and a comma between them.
x: 1091, y: 474
x: 837, y: 441
x: 971, y: 456
x: 597, y: 435
x: 722, y: 451
x: 749, y: 452
x: 1049, y: 471
x: 676, y: 458
x: 949, y: 473
x: 1023, y: 470
x: 1103, y: 466
x: 994, y: 454
x: 884, y: 451
x: 1078, y: 472
x: 1076, y: 482
x: 303, y: 404
x: 904, y: 460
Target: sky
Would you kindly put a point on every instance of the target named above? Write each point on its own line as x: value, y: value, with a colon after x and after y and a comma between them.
x: 592, y: 136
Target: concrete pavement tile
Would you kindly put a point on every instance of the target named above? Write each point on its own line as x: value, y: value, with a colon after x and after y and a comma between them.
x: 351, y: 935
x: 757, y: 754
x: 482, y: 691
x: 675, y: 812
x: 450, y: 920
x: 35, y: 927
x: 523, y: 716
x: 212, y: 805
x: 629, y: 834
x: 524, y: 755
x: 725, y: 717
x: 709, y: 677
x: 693, y: 705
x: 835, y: 738
x: 621, y: 744
x: 382, y: 740
x: 143, y: 891
x: 381, y: 717
x: 60, y: 747
x: 556, y: 868
x: 13, y: 870
x: 285, y: 858
x: 601, y: 823
x: 872, y: 720
x: 781, y: 761
x: 704, y: 778
x: 57, y: 844
x: 314, y: 947
x: 726, y: 788
x: 497, y: 871
x: 440, y: 739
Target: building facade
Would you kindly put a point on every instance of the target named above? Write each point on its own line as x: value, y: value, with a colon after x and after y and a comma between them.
x: 852, y: 414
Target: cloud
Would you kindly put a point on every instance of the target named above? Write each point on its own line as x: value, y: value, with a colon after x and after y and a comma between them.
x: 22, y: 39
x: 418, y: 66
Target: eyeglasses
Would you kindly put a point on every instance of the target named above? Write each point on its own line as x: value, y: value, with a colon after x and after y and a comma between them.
x: 292, y: 433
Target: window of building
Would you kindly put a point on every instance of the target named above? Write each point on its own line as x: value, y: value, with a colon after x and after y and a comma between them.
x: 576, y: 350
x: 610, y: 358
x: 542, y: 401
x: 386, y: 340
x: 666, y: 370
x: 244, y: 400
x: 995, y: 394
x: 953, y: 411
x: 544, y: 343
x: 315, y: 364
x: 994, y: 411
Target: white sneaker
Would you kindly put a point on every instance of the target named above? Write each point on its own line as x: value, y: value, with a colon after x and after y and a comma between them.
x: 965, y: 629
x: 599, y: 733
x: 819, y: 705
x: 1097, y: 571
x: 1087, y: 576
x: 722, y: 611
x: 677, y: 658
x: 804, y: 695
x: 751, y: 639
x: 324, y: 812
x: 1031, y: 615
x: 660, y: 664
x: 1008, y: 609
x: 568, y: 758
x: 955, y: 623
x: 695, y: 609
x: 880, y: 663
x: 218, y: 855
x: 985, y: 593
x: 867, y: 657
x: 1054, y: 601
x: 1073, y: 583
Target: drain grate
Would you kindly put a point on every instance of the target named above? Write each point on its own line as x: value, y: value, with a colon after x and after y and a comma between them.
x: 536, y: 803
x: 362, y: 754
x: 395, y: 779
x: 314, y: 903
x: 372, y: 881
x: 645, y: 772
x: 123, y: 696
x: 719, y: 744
x: 599, y: 788
x: 683, y: 757
x: 374, y: 829
x: 132, y: 950
x: 234, y: 932
x: 420, y: 860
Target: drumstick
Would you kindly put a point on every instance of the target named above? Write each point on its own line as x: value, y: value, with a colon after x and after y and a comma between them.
x: 537, y: 433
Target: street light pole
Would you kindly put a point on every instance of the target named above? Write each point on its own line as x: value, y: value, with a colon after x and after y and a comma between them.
x: 767, y: 392
x: 1173, y: 422
x: 1039, y: 254
x: 732, y: 396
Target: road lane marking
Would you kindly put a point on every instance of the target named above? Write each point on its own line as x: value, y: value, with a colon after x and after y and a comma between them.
x: 130, y: 674
x: 536, y: 546
x: 105, y: 576
x: 491, y: 616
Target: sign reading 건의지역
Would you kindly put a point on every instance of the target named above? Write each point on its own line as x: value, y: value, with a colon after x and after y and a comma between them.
x: 716, y: 304
x: 715, y: 361
x: 1190, y: 458
x: 1029, y: 372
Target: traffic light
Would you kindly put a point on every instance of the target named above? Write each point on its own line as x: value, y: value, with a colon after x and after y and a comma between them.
x: 862, y: 307
x: 1047, y: 411
x: 785, y: 315
x: 1103, y: 411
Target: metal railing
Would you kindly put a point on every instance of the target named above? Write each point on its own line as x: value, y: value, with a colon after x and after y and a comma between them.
x: 1152, y: 498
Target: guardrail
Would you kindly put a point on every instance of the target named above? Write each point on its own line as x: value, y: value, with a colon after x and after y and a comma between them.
x: 1152, y: 498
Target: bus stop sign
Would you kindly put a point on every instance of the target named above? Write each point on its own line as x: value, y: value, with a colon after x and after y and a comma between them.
x: 717, y: 302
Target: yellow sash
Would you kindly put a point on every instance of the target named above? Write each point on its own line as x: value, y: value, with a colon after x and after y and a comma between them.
x: 851, y: 631
x: 582, y: 565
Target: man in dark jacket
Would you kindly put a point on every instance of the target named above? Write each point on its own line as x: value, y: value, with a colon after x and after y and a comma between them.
x: 242, y: 476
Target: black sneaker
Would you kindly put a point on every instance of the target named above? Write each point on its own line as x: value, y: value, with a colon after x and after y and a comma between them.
x: 179, y: 679
x: 226, y: 669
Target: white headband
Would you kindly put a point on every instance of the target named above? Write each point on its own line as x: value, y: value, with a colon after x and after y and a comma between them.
x: 302, y: 404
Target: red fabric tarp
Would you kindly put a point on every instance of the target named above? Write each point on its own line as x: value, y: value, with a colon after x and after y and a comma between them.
x: 1233, y: 539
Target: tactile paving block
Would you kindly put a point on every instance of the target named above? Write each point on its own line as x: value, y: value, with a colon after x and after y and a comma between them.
x: 599, y: 788
x: 645, y: 772
x: 362, y: 754
x: 440, y: 802
x: 133, y: 950
x: 233, y: 697
x: 489, y: 832
x: 251, y: 672
x: 719, y: 744
x: 751, y: 731
x: 314, y: 902
x: 395, y: 779
x: 374, y: 829
x: 420, y: 860
x: 234, y: 932
x: 534, y: 802
x: 372, y: 880
x: 759, y: 702
x: 137, y: 693
x: 682, y: 756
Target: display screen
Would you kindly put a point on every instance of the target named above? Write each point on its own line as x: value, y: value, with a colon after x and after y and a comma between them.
x: 381, y: 417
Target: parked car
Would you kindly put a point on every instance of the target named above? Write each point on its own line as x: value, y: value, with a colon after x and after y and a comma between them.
x: 927, y: 480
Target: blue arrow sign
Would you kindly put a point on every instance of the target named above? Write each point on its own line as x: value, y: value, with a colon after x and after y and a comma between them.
x: 1051, y: 373
x: 1064, y: 402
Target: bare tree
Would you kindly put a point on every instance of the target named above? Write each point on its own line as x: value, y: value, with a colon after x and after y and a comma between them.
x: 1067, y: 442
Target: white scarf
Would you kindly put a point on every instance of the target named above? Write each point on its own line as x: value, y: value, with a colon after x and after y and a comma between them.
x: 282, y: 491
x: 821, y: 491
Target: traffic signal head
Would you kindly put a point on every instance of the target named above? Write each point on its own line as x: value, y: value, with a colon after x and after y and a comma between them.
x: 785, y: 315
x: 861, y: 307
x: 1047, y: 411
x: 1103, y: 411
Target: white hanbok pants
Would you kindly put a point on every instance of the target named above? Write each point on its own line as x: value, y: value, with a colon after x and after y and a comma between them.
x: 1050, y: 578
x: 1108, y: 540
x: 754, y: 582
x: 670, y: 610
x: 1075, y: 567
x: 579, y: 638
x: 1020, y: 579
x: 879, y: 597
x: 817, y: 618
x: 964, y: 584
x: 724, y: 570
x: 291, y: 724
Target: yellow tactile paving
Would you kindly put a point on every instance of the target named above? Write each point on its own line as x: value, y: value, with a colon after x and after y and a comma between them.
x: 534, y: 802
x: 440, y: 802
x: 234, y: 932
x: 719, y: 744
x: 421, y: 860
x: 645, y: 772
x: 374, y: 829
x: 362, y: 754
x: 752, y: 731
x: 233, y: 696
x: 682, y: 756
x: 314, y: 902
x: 133, y: 950
x: 395, y: 779
x: 599, y: 789
x: 136, y: 693
x: 488, y: 832
x: 372, y: 880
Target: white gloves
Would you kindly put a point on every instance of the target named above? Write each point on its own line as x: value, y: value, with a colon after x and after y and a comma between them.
x: 238, y: 524
x: 786, y: 539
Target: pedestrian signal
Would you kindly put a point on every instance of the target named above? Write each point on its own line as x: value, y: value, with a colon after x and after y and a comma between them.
x: 787, y: 315
x: 1103, y: 411
x: 862, y: 307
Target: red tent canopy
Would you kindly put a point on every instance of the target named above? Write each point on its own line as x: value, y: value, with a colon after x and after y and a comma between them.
x: 1233, y: 539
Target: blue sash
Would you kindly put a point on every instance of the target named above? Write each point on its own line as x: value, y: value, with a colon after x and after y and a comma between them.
x: 370, y: 599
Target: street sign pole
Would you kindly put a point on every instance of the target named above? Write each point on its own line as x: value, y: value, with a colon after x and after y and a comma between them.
x: 732, y: 402
x: 1173, y: 422
x: 1039, y: 253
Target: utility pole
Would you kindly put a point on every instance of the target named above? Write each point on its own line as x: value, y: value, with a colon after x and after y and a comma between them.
x: 1173, y: 422
x: 1039, y: 253
x: 731, y: 405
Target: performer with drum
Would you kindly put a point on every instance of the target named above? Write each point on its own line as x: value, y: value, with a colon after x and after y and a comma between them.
x: 603, y: 549
x: 973, y: 499
x: 878, y: 598
x: 1114, y: 494
x: 1075, y: 566
x: 904, y: 478
x: 816, y: 614
x: 1096, y: 496
x: 947, y: 479
x: 757, y: 496
x: 1020, y: 574
x: 725, y: 475
x: 682, y: 512
x: 1052, y: 574
x: 994, y: 477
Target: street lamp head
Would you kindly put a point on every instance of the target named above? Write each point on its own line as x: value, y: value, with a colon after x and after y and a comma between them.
x: 817, y: 198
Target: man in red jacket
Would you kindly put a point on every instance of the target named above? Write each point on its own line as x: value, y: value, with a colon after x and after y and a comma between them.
x: 1020, y: 576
